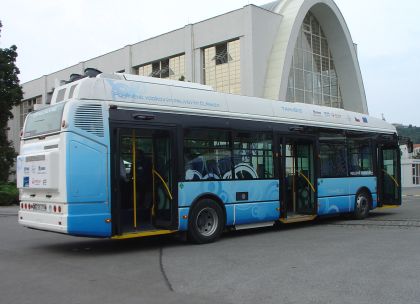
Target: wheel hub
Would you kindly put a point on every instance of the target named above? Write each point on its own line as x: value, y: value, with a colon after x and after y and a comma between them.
x: 207, y: 221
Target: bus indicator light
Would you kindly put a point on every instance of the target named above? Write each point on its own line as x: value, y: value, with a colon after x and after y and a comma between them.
x: 184, y: 217
x: 107, y: 220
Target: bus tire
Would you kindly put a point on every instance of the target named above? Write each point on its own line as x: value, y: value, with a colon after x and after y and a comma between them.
x: 361, y: 207
x: 205, y: 222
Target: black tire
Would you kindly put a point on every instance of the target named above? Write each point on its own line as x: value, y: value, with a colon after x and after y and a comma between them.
x: 361, y: 205
x: 205, y: 222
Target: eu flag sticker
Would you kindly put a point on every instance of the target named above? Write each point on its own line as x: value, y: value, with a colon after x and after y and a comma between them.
x: 26, y: 181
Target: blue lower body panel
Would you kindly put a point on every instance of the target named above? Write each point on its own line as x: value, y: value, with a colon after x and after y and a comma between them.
x: 89, y: 219
x: 256, y: 212
x: 245, y: 201
x: 333, y: 205
x: 338, y: 195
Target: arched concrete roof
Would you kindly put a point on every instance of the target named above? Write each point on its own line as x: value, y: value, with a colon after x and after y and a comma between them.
x: 340, y: 43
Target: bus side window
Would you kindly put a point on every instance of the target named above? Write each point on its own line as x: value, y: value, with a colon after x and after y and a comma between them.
x: 253, y: 156
x: 207, y: 155
x: 333, y: 160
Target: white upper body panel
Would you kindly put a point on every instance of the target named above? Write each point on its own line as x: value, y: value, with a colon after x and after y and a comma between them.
x: 147, y: 93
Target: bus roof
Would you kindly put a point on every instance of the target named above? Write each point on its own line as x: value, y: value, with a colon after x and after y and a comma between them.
x: 148, y: 93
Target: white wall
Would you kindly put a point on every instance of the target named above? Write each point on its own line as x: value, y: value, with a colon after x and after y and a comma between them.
x: 407, y: 168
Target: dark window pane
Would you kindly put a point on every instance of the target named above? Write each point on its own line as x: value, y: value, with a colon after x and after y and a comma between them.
x: 360, y: 159
x: 207, y: 155
x: 164, y: 72
x: 221, y: 53
x: 253, y: 156
x: 155, y: 69
x: 333, y: 160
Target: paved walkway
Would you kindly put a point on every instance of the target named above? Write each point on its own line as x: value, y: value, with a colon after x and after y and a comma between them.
x: 413, y: 192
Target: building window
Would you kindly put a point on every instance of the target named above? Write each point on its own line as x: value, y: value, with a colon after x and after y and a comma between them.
x: 168, y: 68
x: 416, y: 174
x: 222, y: 66
x: 222, y: 55
x: 313, y: 78
x: 27, y: 106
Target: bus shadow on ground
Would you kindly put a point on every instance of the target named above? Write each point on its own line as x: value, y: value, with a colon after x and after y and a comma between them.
x: 91, y: 246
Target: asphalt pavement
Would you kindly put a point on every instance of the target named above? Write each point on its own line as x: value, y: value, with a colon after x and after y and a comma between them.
x: 333, y: 260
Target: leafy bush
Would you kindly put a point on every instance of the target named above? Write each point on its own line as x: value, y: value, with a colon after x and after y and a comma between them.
x: 9, y: 194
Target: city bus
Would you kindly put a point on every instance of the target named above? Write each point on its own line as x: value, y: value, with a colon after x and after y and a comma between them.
x: 123, y: 156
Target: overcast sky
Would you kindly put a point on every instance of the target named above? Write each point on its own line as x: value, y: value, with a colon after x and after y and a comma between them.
x: 54, y: 34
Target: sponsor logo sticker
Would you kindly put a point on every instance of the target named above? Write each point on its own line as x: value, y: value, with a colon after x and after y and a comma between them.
x: 26, y: 181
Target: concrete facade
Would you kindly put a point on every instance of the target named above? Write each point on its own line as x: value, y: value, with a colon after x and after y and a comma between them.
x: 267, y: 36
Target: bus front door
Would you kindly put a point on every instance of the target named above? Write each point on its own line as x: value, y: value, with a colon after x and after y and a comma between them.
x: 144, y: 194
x: 389, y: 187
x: 300, y: 182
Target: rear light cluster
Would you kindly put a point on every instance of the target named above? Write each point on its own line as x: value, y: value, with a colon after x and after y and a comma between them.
x: 26, y: 206
x: 56, y: 209
x: 51, y: 208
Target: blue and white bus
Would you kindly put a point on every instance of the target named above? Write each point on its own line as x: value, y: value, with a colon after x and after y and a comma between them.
x: 121, y: 156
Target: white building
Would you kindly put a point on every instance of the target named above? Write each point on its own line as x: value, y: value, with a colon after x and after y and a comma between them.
x: 410, y: 167
x: 293, y: 50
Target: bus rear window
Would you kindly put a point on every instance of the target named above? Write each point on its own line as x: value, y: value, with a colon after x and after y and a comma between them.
x: 44, y: 121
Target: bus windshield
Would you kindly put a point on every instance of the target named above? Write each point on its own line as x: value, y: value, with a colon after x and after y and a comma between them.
x: 44, y: 121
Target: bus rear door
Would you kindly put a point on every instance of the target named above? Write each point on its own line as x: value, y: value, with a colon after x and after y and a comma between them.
x: 144, y: 192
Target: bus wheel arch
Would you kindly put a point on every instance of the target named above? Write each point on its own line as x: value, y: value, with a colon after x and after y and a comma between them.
x: 206, y: 219
x: 362, y: 203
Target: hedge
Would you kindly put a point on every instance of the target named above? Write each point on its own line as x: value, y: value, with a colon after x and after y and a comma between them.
x: 9, y: 194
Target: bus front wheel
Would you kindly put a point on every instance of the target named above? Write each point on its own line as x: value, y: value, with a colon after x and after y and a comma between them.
x: 206, y: 221
x: 361, y: 208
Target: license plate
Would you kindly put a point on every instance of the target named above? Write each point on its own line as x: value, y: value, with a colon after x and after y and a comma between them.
x: 39, y: 207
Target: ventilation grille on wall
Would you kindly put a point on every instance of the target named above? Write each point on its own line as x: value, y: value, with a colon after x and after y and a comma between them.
x: 89, y: 118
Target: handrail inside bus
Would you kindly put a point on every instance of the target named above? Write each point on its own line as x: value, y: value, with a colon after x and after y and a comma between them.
x: 164, y: 183
x: 308, y: 181
x: 392, y: 177
x: 133, y: 147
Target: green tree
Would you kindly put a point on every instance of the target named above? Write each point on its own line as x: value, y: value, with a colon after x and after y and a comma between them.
x: 10, y: 95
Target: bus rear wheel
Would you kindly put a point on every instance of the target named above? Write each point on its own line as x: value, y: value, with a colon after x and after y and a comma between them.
x: 361, y: 208
x: 206, y: 222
